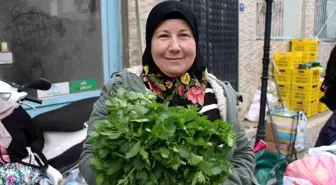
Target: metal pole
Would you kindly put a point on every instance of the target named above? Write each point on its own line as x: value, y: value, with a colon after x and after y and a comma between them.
x: 264, y: 78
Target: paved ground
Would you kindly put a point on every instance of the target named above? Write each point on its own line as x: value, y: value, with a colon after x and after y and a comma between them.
x: 315, y: 124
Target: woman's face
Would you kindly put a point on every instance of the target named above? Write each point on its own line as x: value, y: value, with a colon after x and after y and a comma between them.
x: 173, y: 47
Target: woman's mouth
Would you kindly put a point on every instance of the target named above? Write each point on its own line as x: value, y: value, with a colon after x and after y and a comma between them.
x: 173, y: 59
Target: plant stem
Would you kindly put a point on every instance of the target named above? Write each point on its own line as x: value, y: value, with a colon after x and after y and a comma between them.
x: 126, y: 177
x: 143, y: 98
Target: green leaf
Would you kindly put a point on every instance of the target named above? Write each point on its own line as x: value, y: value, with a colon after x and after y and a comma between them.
x: 194, y: 159
x: 121, y: 92
x: 112, y: 169
x: 138, y: 163
x: 216, y: 170
x: 100, y: 179
x: 231, y: 141
x: 206, y: 167
x: 164, y: 152
x: 144, y: 155
x: 97, y: 163
x: 132, y: 95
x: 103, y: 153
x: 183, y: 151
x: 142, y: 176
x: 164, y: 130
x: 151, y: 96
x: 200, y: 177
x: 133, y: 151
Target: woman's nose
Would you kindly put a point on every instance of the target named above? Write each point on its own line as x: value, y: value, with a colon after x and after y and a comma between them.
x: 174, y: 45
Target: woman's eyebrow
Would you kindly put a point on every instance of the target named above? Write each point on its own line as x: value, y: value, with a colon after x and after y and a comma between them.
x: 185, y: 30
x: 158, y: 31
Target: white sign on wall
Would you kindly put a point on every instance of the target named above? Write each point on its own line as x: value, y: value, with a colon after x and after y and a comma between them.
x: 56, y: 89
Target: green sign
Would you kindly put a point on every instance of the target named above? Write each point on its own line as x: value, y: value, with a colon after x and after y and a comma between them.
x: 83, y: 85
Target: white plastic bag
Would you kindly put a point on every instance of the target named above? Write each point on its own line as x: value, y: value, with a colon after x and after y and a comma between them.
x: 323, y: 150
x: 295, y: 181
x: 302, y: 139
x: 253, y: 113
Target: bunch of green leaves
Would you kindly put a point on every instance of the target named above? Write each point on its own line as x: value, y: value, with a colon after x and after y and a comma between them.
x: 147, y: 143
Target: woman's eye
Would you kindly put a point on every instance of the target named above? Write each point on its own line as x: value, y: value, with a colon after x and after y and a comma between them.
x: 184, y: 35
x: 163, y: 36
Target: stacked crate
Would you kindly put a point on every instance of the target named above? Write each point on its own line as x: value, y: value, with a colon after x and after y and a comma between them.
x: 307, y: 47
x: 305, y: 91
x: 299, y: 88
x: 285, y: 63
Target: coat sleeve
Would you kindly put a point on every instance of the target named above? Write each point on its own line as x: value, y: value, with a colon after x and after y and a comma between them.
x: 243, y: 161
x: 99, y: 112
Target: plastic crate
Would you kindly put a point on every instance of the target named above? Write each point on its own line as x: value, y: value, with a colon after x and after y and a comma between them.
x: 284, y: 77
x: 304, y: 45
x: 304, y: 93
x: 309, y: 56
x: 313, y: 46
x: 285, y: 91
x: 306, y: 77
x: 287, y: 60
x: 309, y: 107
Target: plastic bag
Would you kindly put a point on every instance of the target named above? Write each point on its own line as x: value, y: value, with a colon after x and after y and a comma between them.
x: 302, y: 139
x: 270, y: 168
x: 318, y: 170
x: 323, y: 151
x: 260, y: 146
x: 295, y: 181
x: 253, y: 113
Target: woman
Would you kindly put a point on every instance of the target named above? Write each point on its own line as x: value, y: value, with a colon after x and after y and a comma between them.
x: 327, y: 134
x: 172, y: 69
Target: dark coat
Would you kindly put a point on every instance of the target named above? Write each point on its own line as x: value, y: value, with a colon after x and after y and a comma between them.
x: 328, y: 132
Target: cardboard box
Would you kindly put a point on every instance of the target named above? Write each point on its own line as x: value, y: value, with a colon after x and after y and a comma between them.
x: 269, y: 132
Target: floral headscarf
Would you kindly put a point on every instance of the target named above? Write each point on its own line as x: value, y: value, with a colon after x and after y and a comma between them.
x: 188, y: 88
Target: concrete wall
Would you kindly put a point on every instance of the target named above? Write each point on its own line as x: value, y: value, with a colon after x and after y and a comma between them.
x: 250, y: 49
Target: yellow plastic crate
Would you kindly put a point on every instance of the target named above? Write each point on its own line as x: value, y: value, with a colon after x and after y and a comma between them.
x: 288, y: 60
x: 285, y: 92
x: 304, y: 93
x: 304, y: 45
x: 309, y: 107
x: 313, y: 46
x: 306, y: 77
x: 309, y: 57
x: 285, y: 76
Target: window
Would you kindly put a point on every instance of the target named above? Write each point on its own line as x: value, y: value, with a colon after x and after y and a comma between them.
x: 287, y: 16
x: 325, y: 19
x: 60, y: 40
x: 73, y: 43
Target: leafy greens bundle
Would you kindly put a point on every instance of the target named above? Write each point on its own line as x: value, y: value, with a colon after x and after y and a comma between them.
x: 147, y: 143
